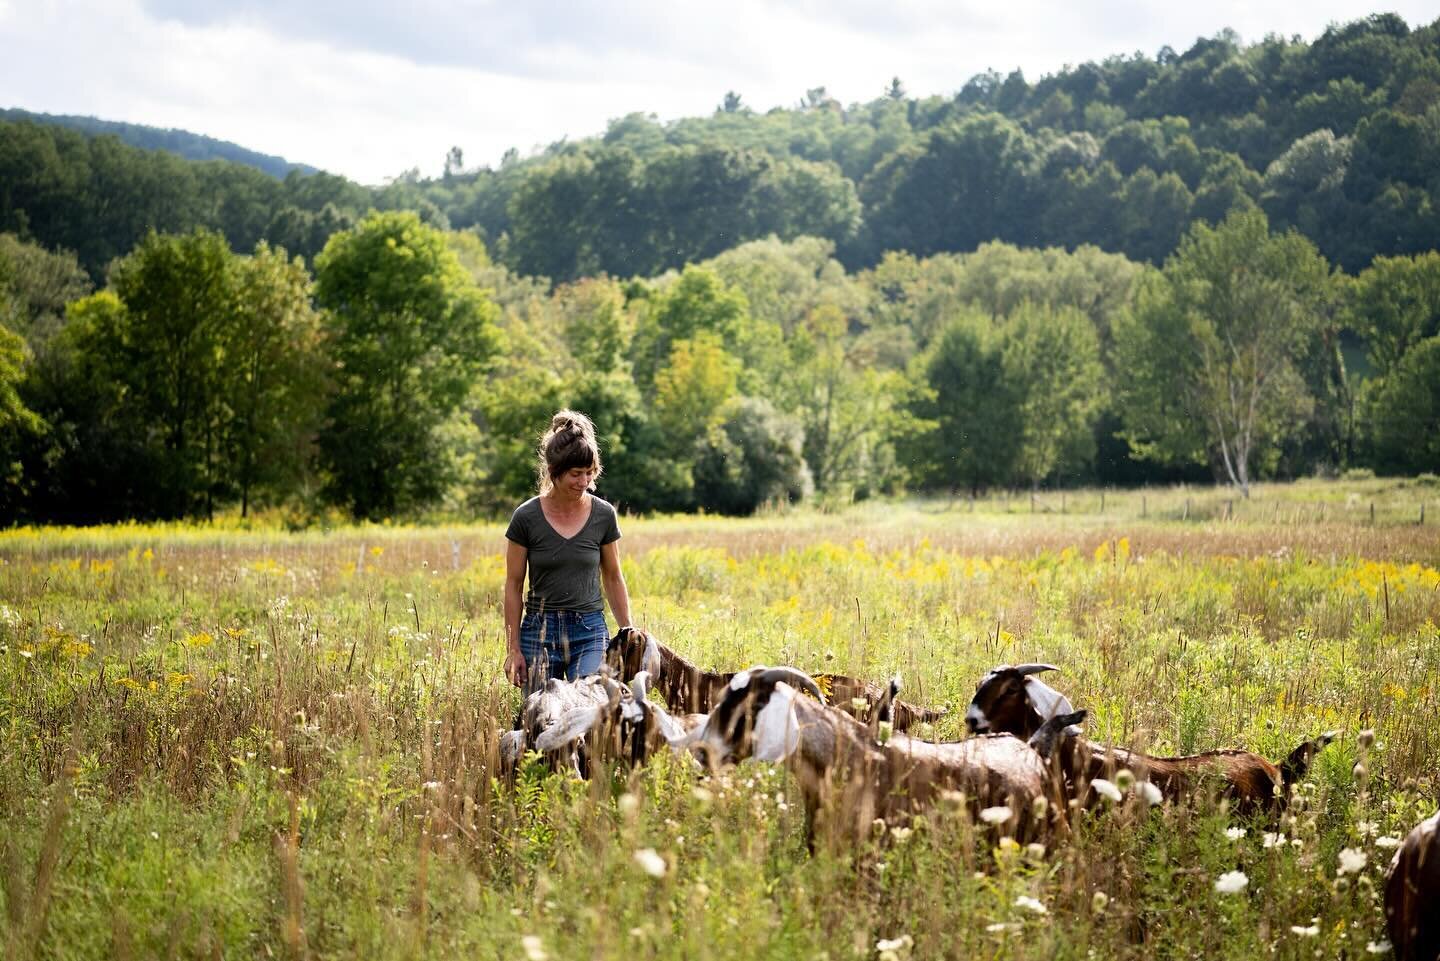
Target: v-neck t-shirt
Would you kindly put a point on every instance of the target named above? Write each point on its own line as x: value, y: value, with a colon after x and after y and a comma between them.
x: 564, y: 571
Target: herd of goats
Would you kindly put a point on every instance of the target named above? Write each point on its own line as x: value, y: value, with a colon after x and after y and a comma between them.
x: 1026, y: 768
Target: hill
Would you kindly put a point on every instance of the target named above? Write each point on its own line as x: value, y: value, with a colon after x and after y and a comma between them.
x: 182, y: 143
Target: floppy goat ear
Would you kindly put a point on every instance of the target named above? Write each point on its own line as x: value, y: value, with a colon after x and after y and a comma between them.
x: 1050, y: 733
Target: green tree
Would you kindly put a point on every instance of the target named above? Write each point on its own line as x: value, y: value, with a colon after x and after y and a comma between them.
x: 1395, y: 304
x: 1403, y: 413
x: 410, y: 334
x: 752, y: 459
x: 180, y: 296
x: 1211, y: 350
x: 973, y: 405
x: 273, y: 376
x: 1051, y: 360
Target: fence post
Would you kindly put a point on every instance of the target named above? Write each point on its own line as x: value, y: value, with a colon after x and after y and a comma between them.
x: 1372, y: 513
x: 1186, y: 516
x: 1230, y: 509
x: 1142, y: 506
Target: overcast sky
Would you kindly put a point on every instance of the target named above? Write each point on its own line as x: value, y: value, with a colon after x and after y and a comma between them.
x: 369, y: 89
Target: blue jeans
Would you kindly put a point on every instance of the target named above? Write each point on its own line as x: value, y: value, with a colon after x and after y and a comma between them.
x: 566, y: 644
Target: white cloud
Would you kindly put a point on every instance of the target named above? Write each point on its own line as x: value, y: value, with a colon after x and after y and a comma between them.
x: 370, y: 88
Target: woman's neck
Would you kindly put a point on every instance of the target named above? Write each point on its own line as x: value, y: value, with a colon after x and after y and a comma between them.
x: 564, y: 499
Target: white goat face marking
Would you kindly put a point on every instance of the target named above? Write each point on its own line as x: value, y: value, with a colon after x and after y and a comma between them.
x: 741, y: 680
x: 651, y: 660
x: 976, y: 719
x: 1048, y: 702
x: 777, y: 730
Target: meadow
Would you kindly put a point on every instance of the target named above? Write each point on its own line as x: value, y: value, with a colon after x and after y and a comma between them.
x: 225, y: 741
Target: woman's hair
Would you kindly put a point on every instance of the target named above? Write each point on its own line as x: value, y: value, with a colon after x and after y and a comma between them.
x: 569, y: 443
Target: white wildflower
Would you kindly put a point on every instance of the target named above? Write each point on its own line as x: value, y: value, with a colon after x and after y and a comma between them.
x: 894, y: 944
x: 1273, y: 840
x: 1351, y: 861
x: 1031, y: 904
x: 627, y: 803
x: 1305, y: 931
x: 1231, y: 882
x: 900, y: 834
x: 883, y: 732
x: 650, y: 862
x: 1149, y: 793
x: 1105, y: 789
x: 1366, y: 828
x: 1035, y: 849
x: 1124, y: 779
x: 996, y: 815
x: 703, y: 795
x: 534, y: 947
x: 1234, y: 834
x: 999, y: 927
x: 1099, y: 902
x: 1377, y: 947
x: 1388, y: 843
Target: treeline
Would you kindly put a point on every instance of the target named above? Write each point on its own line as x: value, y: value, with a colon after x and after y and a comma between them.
x: 1339, y: 139
x: 411, y: 373
x: 182, y: 143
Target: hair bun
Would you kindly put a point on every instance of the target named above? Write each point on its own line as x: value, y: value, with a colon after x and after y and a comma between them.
x: 563, y: 422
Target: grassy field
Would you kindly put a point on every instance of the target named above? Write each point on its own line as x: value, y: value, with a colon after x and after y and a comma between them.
x: 219, y: 742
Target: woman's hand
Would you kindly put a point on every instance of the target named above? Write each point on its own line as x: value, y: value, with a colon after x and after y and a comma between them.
x: 515, y: 668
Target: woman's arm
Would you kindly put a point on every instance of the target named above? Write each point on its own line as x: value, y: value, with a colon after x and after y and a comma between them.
x: 515, y: 559
x: 612, y: 580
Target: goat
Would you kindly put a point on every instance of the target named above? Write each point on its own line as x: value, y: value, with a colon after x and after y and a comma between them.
x: 556, y: 719
x: 627, y: 727
x: 1412, y: 890
x: 848, y: 778
x: 688, y: 688
x: 1012, y: 700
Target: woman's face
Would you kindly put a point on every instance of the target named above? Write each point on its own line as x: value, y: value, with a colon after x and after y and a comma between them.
x: 576, y: 481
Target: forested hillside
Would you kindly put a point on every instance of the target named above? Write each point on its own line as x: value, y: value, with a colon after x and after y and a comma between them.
x: 182, y: 143
x: 1217, y: 264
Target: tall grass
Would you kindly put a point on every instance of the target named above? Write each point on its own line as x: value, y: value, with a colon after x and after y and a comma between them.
x: 231, y: 743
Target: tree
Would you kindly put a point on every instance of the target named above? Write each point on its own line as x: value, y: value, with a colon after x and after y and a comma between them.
x: 972, y: 404
x: 179, y: 295
x: 1211, y: 350
x: 272, y: 382
x: 1403, y: 413
x: 753, y: 459
x: 692, y: 389
x: 410, y: 334
x: 1051, y: 360
x: 1395, y: 304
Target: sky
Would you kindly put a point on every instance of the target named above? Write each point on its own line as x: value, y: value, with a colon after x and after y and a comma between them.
x: 371, y: 89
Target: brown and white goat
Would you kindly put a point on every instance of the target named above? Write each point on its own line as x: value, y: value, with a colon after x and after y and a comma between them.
x: 1412, y: 894
x: 1013, y: 700
x: 688, y: 688
x: 849, y: 779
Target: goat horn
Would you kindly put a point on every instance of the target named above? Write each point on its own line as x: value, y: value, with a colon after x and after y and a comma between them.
x: 1027, y: 669
x: 793, y: 677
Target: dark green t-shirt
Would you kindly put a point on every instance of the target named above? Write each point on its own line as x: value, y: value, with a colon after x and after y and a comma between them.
x: 564, y: 573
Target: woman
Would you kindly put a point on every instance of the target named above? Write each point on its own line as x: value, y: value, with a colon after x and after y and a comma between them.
x: 567, y: 538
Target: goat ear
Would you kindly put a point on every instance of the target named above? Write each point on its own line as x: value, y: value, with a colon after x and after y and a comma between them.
x: 1027, y: 669
x: 638, y: 685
